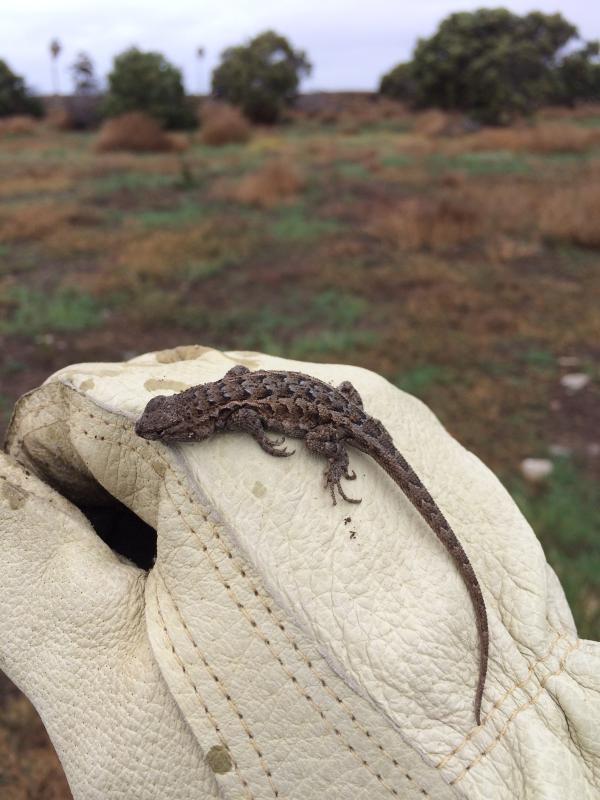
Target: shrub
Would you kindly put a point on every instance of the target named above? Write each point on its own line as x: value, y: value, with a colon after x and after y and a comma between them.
x: 262, y: 77
x: 147, y: 82
x: 135, y: 132
x: 223, y: 124
x: 277, y: 181
x: 551, y: 137
x: 15, y: 97
x: 495, y: 65
x: 19, y: 125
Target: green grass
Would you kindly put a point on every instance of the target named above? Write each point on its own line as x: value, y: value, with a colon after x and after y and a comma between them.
x: 352, y: 170
x: 176, y: 217
x: 108, y: 184
x: 420, y: 379
x: 565, y: 514
x: 294, y: 224
x: 396, y: 160
x: 34, y: 312
x: 493, y: 162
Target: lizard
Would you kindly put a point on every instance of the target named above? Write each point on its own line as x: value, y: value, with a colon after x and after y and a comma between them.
x: 329, y: 420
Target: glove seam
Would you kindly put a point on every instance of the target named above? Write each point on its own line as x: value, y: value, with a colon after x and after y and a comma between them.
x: 530, y: 703
x: 201, y: 699
x: 266, y: 641
x: 501, y: 700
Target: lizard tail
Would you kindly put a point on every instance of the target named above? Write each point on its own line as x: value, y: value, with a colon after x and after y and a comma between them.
x: 400, y: 471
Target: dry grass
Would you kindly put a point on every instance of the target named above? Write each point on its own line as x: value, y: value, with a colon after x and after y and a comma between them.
x: 504, y: 220
x: 572, y: 214
x: 223, y: 124
x: 428, y: 223
x: 551, y: 137
x: 133, y: 132
x: 59, y: 119
x: 275, y: 183
x: 19, y: 125
x: 39, y: 222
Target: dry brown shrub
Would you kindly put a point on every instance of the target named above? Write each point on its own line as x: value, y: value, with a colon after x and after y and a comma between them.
x: 223, y: 124
x: 552, y: 137
x: 432, y: 123
x: 427, y: 223
x: 59, y: 119
x: 135, y: 132
x: 64, y: 230
x: 276, y: 182
x: 501, y: 218
x: 572, y: 214
x: 19, y: 125
x: 583, y: 111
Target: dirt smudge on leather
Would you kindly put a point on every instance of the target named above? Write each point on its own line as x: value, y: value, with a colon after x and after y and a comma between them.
x: 219, y: 759
x: 14, y: 495
x: 159, y: 467
x: 259, y: 489
x: 88, y: 383
x: 162, y: 383
x: 183, y: 353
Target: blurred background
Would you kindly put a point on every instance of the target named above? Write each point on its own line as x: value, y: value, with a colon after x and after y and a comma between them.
x: 416, y: 191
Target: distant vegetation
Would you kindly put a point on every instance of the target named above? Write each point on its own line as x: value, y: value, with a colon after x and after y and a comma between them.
x: 491, y: 65
x: 146, y: 81
x: 15, y: 97
x: 262, y: 77
x: 495, y: 65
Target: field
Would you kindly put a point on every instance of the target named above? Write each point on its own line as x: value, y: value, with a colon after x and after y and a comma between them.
x: 465, y: 267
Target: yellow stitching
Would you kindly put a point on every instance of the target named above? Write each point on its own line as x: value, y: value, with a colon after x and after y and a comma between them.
x: 222, y: 689
x: 267, y: 642
x: 498, y: 703
x: 531, y: 702
x: 253, y: 623
x: 243, y: 781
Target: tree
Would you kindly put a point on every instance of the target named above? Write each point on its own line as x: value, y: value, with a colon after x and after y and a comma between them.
x: 490, y: 63
x: 578, y: 76
x: 15, y: 97
x: 262, y: 76
x: 146, y: 81
x: 83, y: 107
x: 399, y: 83
x: 83, y: 75
x: 55, y: 51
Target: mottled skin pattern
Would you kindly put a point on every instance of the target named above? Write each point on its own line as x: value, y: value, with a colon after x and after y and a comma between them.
x: 328, y: 419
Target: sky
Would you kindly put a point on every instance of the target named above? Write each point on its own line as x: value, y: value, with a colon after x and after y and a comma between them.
x: 350, y: 43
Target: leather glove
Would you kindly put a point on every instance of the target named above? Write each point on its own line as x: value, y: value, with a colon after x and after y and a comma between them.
x: 280, y: 646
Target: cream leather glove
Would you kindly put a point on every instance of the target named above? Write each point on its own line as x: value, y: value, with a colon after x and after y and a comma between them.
x: 278, y: 649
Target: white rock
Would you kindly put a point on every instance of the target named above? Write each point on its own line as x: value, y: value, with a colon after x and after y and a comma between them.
x: 575, y: 381
x: 536, y: 469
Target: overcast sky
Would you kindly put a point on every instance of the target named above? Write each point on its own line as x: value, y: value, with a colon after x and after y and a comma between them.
x: 349, y: 42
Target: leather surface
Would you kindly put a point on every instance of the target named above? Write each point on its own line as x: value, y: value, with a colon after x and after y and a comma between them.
x: 281, y: 649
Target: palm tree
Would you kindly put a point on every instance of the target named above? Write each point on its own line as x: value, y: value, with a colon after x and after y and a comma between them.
x: 55, y: 50
x: 200, y: 54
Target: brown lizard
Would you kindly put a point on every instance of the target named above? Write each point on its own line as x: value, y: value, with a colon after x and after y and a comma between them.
x: 328, y: 419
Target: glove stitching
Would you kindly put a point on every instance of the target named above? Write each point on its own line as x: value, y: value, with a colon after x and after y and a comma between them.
x: 222, y: 688
x: 531, y: 702
x: 500, y: 701
x: 125, y: 427
x: 262, y: 636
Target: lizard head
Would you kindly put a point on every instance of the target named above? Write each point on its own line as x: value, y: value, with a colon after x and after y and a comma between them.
x: 165, y: 418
